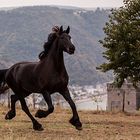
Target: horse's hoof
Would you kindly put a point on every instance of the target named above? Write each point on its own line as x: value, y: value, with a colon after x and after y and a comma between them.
x: 38, y: 127
x: 79, y: 127
x: 40, y: 114
x: 10, y: 115
x: 7, y: 117
x: 76, y: 123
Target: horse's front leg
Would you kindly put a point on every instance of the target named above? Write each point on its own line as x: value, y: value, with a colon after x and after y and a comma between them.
x: 75, y: 119
x: 42, y: 113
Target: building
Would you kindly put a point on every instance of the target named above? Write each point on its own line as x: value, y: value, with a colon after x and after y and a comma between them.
x: 126, y: 98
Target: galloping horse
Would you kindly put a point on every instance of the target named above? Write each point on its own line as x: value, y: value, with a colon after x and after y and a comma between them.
x: 46, y: 77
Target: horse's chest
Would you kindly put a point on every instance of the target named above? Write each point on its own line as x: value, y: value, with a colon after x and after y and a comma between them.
x: 59, y: 81
x: 57, y: 84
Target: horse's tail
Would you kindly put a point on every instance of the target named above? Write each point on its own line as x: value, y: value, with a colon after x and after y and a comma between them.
x: 3, y: 85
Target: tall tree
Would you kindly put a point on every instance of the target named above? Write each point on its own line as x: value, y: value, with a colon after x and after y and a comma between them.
x: 122, y: 43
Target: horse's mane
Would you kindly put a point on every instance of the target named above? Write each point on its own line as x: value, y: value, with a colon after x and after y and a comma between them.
x: 44, y: 53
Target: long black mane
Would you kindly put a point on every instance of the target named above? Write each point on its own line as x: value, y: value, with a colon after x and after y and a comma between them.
x: 43, y: 54
x: 47, y: 45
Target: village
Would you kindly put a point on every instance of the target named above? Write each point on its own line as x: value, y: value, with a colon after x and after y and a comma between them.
x: 102, y: 97
x: 85, y: 98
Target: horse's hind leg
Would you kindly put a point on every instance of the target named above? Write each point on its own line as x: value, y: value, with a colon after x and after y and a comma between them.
x: 12, y: 113
x: 21, y: 97
x: 36, y: 125
x: 42, y: 113
x: 75, y: 119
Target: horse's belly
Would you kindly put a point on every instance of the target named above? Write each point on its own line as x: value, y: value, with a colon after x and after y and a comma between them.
x: 57, y: 86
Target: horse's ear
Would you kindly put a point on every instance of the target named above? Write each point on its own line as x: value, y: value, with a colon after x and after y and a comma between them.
x: 68, y: 30
x: 61, y: 29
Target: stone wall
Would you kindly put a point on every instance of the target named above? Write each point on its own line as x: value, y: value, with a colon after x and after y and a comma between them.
x: 126, y: 98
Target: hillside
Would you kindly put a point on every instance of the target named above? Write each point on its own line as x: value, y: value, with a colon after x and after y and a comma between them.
x: 24, y: 30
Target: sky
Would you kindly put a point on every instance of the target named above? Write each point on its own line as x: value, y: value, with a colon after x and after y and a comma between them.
x: 77, y: 3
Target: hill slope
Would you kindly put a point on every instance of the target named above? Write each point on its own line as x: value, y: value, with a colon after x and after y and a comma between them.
x: 24, y: 30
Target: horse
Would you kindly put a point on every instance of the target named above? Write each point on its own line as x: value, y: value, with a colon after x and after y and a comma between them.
x: 45, y: 77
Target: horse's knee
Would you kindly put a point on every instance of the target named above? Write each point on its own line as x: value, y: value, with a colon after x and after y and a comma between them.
x: 51, y: 109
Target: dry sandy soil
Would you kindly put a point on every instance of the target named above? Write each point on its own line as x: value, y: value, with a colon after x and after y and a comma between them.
x: 96, y: 126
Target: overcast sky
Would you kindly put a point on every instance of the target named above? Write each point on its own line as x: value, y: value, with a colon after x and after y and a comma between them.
x: 78, y: 3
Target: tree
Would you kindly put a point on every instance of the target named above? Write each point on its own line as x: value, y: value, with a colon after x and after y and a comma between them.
x: 122, y: 43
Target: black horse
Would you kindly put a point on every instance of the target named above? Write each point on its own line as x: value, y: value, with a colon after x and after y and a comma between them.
x: 46, y: 77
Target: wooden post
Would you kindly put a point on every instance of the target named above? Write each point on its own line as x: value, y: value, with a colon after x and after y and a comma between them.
x: 123, y: 106
x: 33, y: 97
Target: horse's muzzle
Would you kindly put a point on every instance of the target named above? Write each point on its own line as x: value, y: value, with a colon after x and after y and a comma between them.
x: 71, y: 50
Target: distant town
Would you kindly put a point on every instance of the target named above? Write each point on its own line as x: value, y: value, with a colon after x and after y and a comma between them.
x: 85, y: 98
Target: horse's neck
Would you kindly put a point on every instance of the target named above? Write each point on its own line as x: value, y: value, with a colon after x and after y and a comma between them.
x: 56, y: 57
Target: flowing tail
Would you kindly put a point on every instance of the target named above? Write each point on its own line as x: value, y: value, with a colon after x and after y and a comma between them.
x: 3, y: 85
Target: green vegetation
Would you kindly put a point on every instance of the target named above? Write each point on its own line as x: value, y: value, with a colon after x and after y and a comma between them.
x: 122, y: 43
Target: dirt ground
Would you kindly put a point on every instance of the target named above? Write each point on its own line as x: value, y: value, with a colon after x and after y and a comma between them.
x: 96, y: 126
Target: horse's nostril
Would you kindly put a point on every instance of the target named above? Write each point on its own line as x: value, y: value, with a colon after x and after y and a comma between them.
x: 72, y: 48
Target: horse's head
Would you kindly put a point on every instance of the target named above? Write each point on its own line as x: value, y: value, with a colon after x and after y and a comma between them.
x: 64, y: 41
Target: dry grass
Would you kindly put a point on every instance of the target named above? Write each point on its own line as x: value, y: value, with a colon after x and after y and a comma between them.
x: 96, y: 126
